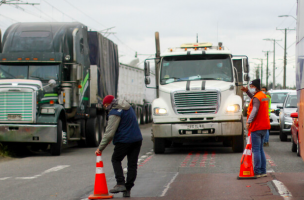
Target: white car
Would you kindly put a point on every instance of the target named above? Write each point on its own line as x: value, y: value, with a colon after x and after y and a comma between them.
x: 289, y: 106
x: 277, y: 99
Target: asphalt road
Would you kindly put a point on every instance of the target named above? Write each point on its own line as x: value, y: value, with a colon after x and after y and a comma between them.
x: 200, y: 171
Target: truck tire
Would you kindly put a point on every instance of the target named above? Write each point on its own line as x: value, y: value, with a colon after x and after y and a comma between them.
x: 283, y: 136
x: 298, y: 148
x: 159, y: 145
x: 102, y: 124
x: 293, y: 145
x: 138, y: 112
x: 143, y: 115
x: 238, y: 141
x: 57, y: 147
x: 93, y: 133
x: 150, y: 113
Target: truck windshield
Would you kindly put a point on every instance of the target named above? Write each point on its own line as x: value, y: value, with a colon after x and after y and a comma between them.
x: 41, y: 72
x: 193, y: 67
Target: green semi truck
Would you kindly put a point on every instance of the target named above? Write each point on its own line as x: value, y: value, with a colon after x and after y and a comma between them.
x: 53, y: 77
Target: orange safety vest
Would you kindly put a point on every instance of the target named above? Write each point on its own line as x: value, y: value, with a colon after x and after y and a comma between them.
x: 261, y: 121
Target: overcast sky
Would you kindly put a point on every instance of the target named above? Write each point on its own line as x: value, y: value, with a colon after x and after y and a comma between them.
x: 240, y: 24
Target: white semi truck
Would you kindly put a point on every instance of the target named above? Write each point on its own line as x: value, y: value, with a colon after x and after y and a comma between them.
x: 197, y: 87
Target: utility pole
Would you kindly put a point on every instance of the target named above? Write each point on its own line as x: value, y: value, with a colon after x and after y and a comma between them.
x: 261, y: 59
x: 267, y: 72
x: 197, y: 38
x: 273, y: 73
x: 257, y: 72
x: 284, y: 72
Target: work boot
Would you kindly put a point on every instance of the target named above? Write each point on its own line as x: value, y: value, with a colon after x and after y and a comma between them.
x: 264, y: 175
x: 118, y: 188
x: 126, y: 193
x: 266, y: 144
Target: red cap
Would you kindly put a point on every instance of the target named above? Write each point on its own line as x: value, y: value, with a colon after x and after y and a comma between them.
x: 108, y: 99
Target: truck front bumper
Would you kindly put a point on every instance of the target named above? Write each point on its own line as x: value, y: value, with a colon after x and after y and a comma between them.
x: 28, y: 133
x: 197, y: 129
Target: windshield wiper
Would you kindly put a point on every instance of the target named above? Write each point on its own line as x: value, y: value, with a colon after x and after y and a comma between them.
x: 35, y: 77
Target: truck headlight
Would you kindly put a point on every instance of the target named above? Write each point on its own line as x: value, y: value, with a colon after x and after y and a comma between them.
x: 160, y: 111
x: 233, y: 108
x: 48, y: 110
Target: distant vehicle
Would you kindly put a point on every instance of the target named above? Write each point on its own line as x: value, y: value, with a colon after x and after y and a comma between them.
x: 295, y: 134
x: 289, y: 106
x: 277, y: 99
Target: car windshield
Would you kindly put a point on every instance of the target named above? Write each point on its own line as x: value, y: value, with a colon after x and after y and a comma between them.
x: 278, y: 97
x: 41, y: 72
x: 291, y: 101
x: 194, y: 67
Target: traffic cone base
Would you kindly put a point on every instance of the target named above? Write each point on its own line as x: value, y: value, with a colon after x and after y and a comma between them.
x: 101, y: 196
x: 100, y: 188
x: 246, y: 170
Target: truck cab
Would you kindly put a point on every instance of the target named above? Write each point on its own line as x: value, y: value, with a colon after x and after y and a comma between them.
x: 197, y: 97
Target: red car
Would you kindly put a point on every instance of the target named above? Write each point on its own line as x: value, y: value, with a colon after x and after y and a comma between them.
x: 294, y: 133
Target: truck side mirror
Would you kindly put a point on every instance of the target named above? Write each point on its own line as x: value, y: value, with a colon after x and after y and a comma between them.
x: 246, y: 77
x: 147, y: 68
x: 246, y: 65
x: 147, y: 80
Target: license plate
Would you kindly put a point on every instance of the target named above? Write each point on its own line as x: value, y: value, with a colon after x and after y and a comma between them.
x: 15, y: 117
x: 195, y: 126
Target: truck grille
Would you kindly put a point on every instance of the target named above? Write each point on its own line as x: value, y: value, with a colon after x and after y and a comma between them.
x: 196, y: 102
x: 14, y: 104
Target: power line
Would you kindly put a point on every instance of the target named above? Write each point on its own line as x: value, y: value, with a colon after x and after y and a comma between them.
x: 44, y: 13
x: 29, y: 12
x: 59, y: 10
x: 84, y: 13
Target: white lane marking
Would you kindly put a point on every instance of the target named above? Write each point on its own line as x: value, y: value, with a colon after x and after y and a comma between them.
x: 53, y: 169
x: 282, y: 190
x: 4, y: 178
x: 270, y: 170
x: 168, y: 185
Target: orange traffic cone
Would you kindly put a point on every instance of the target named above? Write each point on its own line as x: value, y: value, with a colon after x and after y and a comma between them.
x: 100, y: 188
x: 246, y: 171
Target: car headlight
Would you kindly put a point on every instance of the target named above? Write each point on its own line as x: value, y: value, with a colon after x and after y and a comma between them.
x: 287, y: 114
x: 160, y: 111
x: 233, y: 108
x: 48, y: 110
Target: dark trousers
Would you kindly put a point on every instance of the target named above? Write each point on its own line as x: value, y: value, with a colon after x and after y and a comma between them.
x: 131, y: 150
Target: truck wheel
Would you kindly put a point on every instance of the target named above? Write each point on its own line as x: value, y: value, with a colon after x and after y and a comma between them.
x: 138, y: 113
x: 102, y: 125
x: 147, y: 113
x: 238, y: 143
x: 150, y: 113
x: 159, y: 145
x: 93, y: 133
x: 57, y: 147
x: 298, y: 148
x: 283, y: 136
x: 293, y: 145
x: 143, y: 115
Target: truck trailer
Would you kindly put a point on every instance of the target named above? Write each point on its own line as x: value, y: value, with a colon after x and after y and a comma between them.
x: 197, y: 96
x: 53, y: 77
